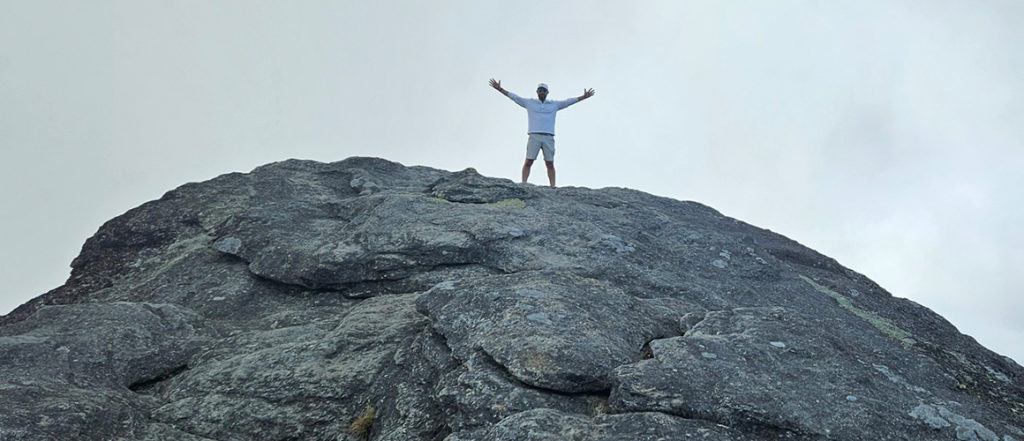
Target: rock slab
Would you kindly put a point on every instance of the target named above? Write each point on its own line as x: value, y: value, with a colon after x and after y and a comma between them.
x: 367, y: 300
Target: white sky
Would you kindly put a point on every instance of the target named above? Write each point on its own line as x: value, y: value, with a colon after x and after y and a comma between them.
x: 886, y: 134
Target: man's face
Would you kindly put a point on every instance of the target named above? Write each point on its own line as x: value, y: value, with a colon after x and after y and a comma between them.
x: 542, y: 94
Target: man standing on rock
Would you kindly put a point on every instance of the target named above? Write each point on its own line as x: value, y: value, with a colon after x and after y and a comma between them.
x: 541, y: 115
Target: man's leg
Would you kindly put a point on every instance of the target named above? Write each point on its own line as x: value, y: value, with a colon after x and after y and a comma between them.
x: 533, y: 146
x: 526, y: 169
x: 549, y: 157
x: 551, y: 172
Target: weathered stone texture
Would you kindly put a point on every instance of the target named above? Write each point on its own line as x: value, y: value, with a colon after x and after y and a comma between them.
x: 290, y: 302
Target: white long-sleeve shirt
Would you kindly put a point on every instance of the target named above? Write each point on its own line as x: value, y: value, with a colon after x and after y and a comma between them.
x: 541, y: 115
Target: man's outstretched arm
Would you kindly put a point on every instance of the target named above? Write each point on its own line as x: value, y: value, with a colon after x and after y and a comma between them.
x: 515, y: 98
x: 587, y: 93
x: 497, y: 86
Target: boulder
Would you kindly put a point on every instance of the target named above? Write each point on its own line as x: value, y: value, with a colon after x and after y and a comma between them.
x: 367, y: 300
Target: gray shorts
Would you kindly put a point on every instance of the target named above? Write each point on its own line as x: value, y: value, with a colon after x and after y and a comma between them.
x: 538, y: 142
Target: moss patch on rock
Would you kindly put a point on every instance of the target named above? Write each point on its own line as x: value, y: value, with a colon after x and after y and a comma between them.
x: 508, y: 203
x: 881, y: 323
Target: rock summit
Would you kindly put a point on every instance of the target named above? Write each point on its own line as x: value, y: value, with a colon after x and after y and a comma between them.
x: 367, y: 300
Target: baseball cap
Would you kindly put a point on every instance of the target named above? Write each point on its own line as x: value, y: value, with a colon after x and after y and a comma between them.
x: 542, y: 86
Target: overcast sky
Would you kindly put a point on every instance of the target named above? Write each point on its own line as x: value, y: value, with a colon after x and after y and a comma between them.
x: 886, y: 134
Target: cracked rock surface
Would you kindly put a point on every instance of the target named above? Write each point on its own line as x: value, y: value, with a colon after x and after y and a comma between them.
x: 367, y: 300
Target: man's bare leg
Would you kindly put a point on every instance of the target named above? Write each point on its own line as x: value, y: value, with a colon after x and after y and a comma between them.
x: 526, y: 169
x: 551, y: 172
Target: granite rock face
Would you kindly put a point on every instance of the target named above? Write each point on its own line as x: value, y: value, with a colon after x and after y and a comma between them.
x: 366, y: 300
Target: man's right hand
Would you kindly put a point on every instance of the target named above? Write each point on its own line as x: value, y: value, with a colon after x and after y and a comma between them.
x: 497, y: 86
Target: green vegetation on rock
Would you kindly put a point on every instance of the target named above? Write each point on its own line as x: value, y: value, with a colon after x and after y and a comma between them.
x: 508, y: 203
x: 882, y: 324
